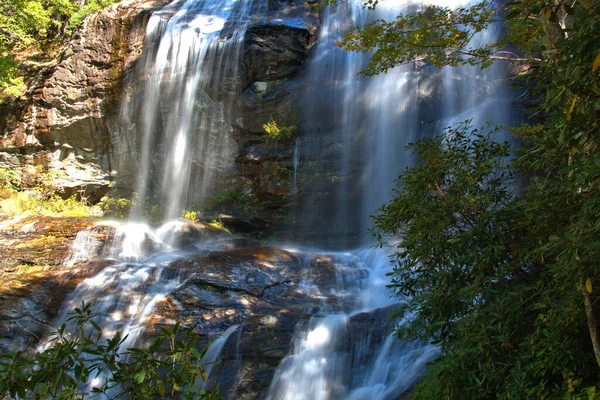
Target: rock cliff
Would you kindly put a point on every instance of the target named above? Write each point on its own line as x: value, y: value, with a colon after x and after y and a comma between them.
x: 70, y: 122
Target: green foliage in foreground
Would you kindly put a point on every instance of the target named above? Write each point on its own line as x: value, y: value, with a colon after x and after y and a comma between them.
x: 487, y: 276
x: 168, y: 368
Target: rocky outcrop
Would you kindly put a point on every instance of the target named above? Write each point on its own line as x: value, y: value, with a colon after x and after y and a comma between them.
x: 36, y: 276
x: 261, y: 290
x: 63, y: 127
x: 264, y: 296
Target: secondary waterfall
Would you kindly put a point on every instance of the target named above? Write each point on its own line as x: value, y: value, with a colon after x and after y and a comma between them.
x: 335, y: 357
x: 349, y: 150
x: 191, y: 48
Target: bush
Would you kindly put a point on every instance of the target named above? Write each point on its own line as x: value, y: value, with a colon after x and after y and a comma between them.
x: 231, y: 199
x: 64, y: 369
x: 116, y: 207
x: 491, y: 277
x: 277, y: 133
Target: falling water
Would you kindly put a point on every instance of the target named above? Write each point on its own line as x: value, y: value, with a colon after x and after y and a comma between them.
x: 338, y: 355
x: 190, y: 63
x: 191, y: 48
x: 355, y: 129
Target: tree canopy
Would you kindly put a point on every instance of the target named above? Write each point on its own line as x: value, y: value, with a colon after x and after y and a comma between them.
x: 497, y: 251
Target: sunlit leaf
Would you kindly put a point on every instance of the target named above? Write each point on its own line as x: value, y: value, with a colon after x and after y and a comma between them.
x: 588, y: 285
x: 139, y: 377
x: 571, y: 108
x: 596, y: 63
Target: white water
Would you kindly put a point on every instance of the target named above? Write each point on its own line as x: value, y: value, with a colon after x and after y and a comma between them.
x: 335, y: 356
x: 190, y: 45
x: 364, y: 124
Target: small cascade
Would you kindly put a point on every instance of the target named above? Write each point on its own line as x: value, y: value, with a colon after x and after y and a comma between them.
x: 295, y: 164
x: 213, y: 354
x: 86, y: 246
x: 347, y: 351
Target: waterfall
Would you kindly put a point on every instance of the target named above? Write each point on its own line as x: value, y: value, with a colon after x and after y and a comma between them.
x: 191, y: 48
x: 363, y: 125
x: 339, y: 356
x: 350, y: 149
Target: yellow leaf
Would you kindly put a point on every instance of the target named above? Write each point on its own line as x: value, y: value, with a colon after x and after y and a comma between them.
x: 548, y: 13
x: 571, y: 108
x: 588, y: 285
x: 573, y: 151
x: 542, y: 259
x: 596, y: 63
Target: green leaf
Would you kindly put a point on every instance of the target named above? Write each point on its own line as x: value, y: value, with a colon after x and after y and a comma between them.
x: 196, y: 353
x: 42, y: 388
x: 596, y: 63
x: 139, y: 377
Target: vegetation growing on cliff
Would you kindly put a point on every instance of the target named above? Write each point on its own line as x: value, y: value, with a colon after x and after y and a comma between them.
x: 32, y: 32
x: 506, y: 281
x: 39, y: 196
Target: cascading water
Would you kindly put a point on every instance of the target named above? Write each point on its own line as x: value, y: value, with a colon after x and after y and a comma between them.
x: 363, y: 125
x: 356, y: 128
x: 339, y: 356
x: 191, y: 47
x: 349, y: 151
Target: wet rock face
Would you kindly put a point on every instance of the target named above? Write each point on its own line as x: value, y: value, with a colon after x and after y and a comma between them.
x: 84, y: 88
x: 276, y: 49
x: 70, y: 125
x: 35, y: 275
x: 260, y: 290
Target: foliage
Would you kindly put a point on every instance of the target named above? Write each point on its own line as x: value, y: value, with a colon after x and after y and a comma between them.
x: 277, y: 172
x: 218, y: 224
x: 445, y: 36
x: 36, y: 27
x: 82, y: 11
x: 274, y: 132
x: 39, y: 197
x: 497, y: 257
x: 116, y: 207
x: 476, y: 279
x: 169, y: 367
x: 233, y: 200
x: 191, y: 216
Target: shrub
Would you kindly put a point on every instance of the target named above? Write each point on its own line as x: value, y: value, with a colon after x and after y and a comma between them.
x: 277, y: 133
x: 75, y: 358
x: 116, y: 207
x: 231, y: 199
